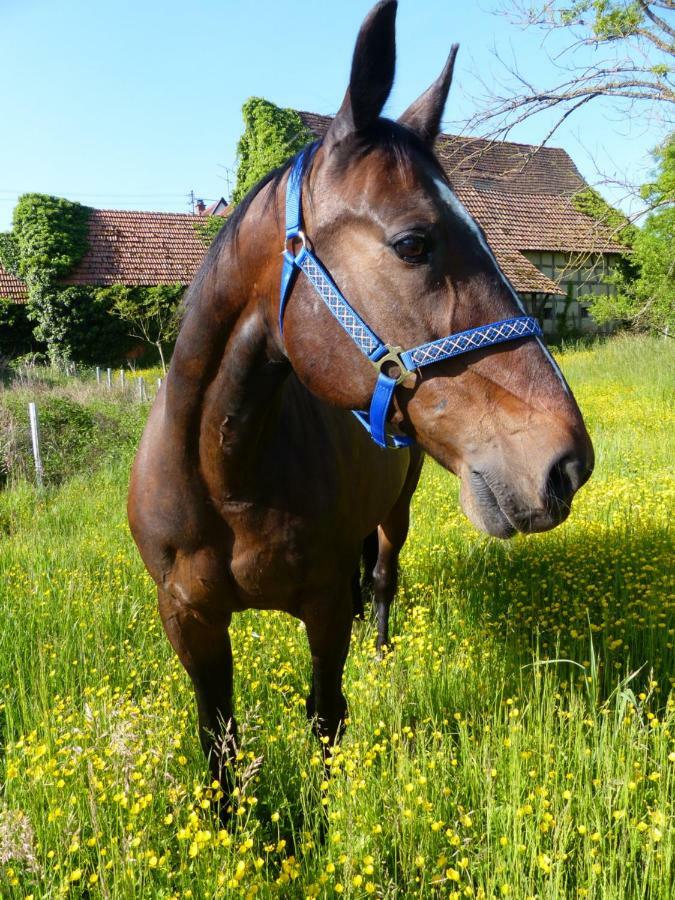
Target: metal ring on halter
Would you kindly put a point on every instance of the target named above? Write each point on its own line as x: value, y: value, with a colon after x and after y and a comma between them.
x: 298, y: 236
x: 393, y: 356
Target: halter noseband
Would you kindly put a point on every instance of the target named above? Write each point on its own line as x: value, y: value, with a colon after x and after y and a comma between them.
x: 379, y: 353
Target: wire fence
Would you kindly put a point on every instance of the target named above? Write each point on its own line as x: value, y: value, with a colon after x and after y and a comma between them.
x: 57, y: 421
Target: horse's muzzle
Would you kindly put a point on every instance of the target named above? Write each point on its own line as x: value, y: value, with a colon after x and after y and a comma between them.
x: 498, y: 507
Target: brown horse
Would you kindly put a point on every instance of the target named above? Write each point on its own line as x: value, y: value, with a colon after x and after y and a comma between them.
x: 254, y: 486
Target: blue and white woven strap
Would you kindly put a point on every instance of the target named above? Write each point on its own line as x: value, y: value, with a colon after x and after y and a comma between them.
x: 294, y: 191
x: 472, y: 339
x: 364, y: 338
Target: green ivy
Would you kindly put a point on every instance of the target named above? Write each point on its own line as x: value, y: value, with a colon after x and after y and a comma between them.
x: 50, y: 234
x: 48, y: 239
x: 9, y: 253
x: 271, y: 135
x: 208, y: 227
x: 592, y: 204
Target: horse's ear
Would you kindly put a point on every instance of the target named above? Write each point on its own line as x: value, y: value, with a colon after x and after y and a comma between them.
x: 372, y: 73
x: 424, y: 115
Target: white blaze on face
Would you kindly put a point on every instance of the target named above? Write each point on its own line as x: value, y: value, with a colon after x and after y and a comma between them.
x: 462, y: 213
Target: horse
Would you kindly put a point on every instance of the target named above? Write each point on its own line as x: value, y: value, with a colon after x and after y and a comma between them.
x: 254, y: 486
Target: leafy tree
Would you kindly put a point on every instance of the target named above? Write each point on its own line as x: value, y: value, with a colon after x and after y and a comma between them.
x: 646, y: 291
x: 151, y: 313
x: 271, y: 135
x: 621, y: 50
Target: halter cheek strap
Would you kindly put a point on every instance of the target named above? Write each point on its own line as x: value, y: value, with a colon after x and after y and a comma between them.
x: 406, y: 362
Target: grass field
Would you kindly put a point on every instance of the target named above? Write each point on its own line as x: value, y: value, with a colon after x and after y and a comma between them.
x: 519, y: 739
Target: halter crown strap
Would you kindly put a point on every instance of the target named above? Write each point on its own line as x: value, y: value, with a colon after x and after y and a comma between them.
x: 379, y: 353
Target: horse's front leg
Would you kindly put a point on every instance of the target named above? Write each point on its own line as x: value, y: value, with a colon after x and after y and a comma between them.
x: 328, y: 632
x: 200, y: 637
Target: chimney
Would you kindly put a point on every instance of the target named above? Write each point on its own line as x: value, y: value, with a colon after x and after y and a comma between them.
x: 201, y: 208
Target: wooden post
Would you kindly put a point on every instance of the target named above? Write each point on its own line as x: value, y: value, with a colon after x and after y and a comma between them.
x: 35, y: 437
x: 109, y: 379
x: 98, y: 374
x: 141, y: 388
x: 122, y: 378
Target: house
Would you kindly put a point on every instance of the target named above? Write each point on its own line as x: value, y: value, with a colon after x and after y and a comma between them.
x: 521, y: 196
x: 220, y: 208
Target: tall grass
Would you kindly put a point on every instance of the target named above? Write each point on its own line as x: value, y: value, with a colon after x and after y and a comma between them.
x: 518, y: 740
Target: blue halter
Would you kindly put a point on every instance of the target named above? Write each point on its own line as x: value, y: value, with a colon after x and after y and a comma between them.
x: 379, y: 353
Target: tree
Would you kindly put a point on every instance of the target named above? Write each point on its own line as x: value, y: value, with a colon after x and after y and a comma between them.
x: 152, y: 313
x: 48, y: 239
x: 271, y: 136
x: 646, y: 288
x: 617, y: 49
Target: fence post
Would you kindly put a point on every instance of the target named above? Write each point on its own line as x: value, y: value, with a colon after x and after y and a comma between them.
x: 141, y: 388
x: 110, y: 379
x: 122, y: 378
x: 35, y: 437
x: 98, y: 374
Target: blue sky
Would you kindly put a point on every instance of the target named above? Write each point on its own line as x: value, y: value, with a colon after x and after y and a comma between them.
x: 132, y: 104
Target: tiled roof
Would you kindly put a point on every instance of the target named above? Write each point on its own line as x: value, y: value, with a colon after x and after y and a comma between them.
x: 520, y: 195
x: 523, y: 274
x: 535, y: 222
x: 138, y: 248
x: 12, y: 287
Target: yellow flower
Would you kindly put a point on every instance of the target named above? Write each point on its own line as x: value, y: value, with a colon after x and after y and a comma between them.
x: 544, y: 862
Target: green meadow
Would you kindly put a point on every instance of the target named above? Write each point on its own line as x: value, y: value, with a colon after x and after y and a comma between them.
x: 518, y: 739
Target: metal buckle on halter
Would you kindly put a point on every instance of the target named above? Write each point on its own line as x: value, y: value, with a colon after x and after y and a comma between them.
x: 298, y: 236
x: 393, y: 357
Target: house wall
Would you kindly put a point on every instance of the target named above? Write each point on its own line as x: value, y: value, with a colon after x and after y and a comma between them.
x: 578, y: 277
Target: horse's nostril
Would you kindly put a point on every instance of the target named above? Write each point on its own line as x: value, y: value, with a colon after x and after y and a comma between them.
x: 565, y: 478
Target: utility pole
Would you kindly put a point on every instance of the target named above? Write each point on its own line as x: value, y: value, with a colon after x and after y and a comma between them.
x: 191, y: 198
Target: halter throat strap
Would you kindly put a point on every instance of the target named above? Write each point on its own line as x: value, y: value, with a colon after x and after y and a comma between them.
x: 406, y: 362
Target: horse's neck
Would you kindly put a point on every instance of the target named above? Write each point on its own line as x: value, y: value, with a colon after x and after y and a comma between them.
x: 227, y: 370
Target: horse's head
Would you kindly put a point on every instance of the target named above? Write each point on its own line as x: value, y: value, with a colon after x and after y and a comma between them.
x: 385, y: 222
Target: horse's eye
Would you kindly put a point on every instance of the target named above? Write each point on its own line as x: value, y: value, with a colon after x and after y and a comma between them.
x: 412, y: 248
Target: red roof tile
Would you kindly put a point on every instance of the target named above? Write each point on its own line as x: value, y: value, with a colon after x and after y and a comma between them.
x: 138, y: 248
x: 535, y: 222
x: 12, y: 287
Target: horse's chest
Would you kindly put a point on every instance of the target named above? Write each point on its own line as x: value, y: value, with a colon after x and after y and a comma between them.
x: 275, y: 554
